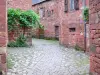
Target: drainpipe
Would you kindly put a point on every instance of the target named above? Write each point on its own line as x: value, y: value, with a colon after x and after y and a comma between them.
x: 85, y: 36
x: 85, y: 29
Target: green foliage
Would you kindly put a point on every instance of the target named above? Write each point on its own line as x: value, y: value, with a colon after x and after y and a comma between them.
x: 12, y: 44
x: 13, y: 16
x: 78, y: 48
x: 10, y: 64
x: 41, y: 26
x: 50, y: 38
x: 22, y: 18
x: 28, y: 19
x: 86, y: 14
x: 20, y: 42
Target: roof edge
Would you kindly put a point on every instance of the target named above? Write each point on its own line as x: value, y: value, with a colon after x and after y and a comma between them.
x: 40, y: 2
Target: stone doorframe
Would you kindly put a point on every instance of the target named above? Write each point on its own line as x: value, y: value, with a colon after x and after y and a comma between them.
x: 3, y: 37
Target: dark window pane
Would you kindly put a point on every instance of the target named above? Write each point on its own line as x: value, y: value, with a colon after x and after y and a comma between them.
x: 76, y: 3
x: 72, y: 29
x: 72, y: 5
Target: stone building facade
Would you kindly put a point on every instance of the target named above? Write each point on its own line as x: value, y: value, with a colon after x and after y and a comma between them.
x: 95, y: 36
x: 3, y: 37
x: 49, y: 15
x: 63, y: 18
x: 22, y: 4
x: 72, y: 25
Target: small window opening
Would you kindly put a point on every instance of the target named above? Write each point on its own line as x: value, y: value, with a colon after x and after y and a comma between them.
x: 72, y: 29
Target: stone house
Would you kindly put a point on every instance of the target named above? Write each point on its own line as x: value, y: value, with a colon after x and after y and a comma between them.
x: 63, y: 19
x: 72, y: 24
x: 49, y: 15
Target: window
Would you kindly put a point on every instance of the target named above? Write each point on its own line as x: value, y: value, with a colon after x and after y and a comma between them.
x: 66, y: 5
x: 42, y: 12
x: 57, y: 32
x: 74, y: 4
x: 50, y: 12
x: 84, y: 2
x: 37, y: 1
x: 72, y: 29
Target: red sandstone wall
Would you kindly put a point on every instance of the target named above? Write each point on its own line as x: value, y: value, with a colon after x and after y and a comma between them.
x: 3, y: 35
x: 22, y: 4
x: 68, y: 20
x: 52, y: 21
x: 95, y: 36
x: 65, y: 21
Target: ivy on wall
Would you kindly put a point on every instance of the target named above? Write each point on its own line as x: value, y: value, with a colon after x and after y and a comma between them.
x: 22, y: 18
x: 86, y: 14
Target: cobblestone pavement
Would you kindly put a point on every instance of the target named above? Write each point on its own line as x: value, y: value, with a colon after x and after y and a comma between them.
x: 48, y: 58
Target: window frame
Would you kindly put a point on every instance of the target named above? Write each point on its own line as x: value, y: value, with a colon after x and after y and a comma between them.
x: 73, y: 29
x: 42, y: 12
x: 74, y: 5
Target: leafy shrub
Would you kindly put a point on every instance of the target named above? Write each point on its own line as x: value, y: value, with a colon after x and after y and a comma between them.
x: 86, y: 14
x: 20, y: 42
x: 12, y: 44
x: 50, y: 38
x: 10, y: 64
x: 78, y: 48
x: 22, y: 18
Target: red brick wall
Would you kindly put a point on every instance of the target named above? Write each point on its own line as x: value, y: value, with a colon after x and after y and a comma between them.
x: 51, y: 21
x: 71, y: 19
x: 64, y: 21
x: 95, y: 36
x: 13, y: 35
x: 3, y: 35
x: 22, y: 4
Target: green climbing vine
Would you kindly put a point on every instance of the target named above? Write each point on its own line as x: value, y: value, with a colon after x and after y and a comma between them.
x: 86, y: 14
x: 22, y: 18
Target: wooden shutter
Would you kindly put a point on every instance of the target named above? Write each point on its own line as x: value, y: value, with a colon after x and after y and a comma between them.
x: 76, y: 4
x: 66, y: 5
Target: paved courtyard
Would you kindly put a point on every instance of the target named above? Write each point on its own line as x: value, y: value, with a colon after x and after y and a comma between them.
x: 47, y: 58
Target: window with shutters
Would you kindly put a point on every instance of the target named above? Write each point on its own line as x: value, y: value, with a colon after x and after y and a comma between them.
x: 42, y: 12
x: 74, y: 4
x: 50, y: 13
x: 66, y: 5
